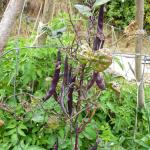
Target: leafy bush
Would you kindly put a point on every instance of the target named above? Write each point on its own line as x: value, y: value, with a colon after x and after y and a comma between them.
x: 121, y: 13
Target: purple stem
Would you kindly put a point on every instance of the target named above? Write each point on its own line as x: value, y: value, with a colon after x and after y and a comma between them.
x: 66, y: 71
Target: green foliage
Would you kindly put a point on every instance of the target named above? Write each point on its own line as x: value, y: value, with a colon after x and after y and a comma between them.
x: 121, y: 13
x: 113, y: 122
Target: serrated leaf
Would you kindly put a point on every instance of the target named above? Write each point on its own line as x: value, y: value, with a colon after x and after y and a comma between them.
x: 84, y: 10
x: 22, y: 126
x: 100, y: 2
x: 21, y: 132
x: 10, y: 132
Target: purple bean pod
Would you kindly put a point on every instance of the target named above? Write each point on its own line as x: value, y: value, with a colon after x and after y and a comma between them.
x: 55, y: 78
x: 98, y: 43
x: 56, y: 145
x: 99, y: 38
x: 92, y: 81
x: 100, y: 82
x: 70, y: 95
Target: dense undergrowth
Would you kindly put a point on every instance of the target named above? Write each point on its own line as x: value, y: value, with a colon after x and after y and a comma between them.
x: 31, y: 124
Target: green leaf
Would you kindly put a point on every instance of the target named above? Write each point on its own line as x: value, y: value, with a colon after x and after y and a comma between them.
x: 22, y: 126
x: 11, y: 126
x: 100, y: 2
x: 4, y: 146
x: 14, y: 139
x: 38, y: 117
x: 64, y: 143
x: 89, y: 133
x: 84, y: 10
x: 34, y: 147
x: 110, y: 106
x: 141, y: 143
x: 21, y: 132
x: 117, y: 147
x: 10, y: 132
x: 51, y: 140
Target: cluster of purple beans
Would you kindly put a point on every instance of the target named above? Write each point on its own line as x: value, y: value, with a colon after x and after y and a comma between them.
x: 69, y: 81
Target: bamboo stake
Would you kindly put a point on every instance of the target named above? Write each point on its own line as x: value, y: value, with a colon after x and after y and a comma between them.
x: 138, y: 50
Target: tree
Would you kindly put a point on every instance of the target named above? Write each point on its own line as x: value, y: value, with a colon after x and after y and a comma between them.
x: 13, y: 9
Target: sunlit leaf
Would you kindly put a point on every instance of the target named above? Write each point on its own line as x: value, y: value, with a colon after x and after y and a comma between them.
x: 84, y: 10
x: 100, y: 2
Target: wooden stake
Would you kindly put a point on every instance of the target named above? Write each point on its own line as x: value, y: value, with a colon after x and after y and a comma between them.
x: 138, y: 50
